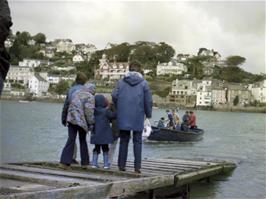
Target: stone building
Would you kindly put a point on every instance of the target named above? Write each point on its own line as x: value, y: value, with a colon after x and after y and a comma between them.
x: 111, y: 71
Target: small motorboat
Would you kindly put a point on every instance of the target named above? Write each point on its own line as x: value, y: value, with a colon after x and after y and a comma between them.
x: 23, y: 101
x: 166, y: 134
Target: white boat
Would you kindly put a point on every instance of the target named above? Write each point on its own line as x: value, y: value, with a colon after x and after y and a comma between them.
x: 23, y: 101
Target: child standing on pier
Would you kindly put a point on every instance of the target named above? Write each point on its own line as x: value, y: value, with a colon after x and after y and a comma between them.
x: 102, y: 133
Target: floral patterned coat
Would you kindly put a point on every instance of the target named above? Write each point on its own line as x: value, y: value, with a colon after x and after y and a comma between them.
x: 81, y: 108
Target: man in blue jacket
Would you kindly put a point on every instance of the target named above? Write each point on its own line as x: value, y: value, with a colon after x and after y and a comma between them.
x: 133, y: 100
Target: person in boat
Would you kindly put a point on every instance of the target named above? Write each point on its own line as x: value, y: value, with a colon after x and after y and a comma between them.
x: 170, y: 123
x: 185, y: 123
x: 161, y: 123
x: 176, y: 119
x: 80, y: 119
x: 101, y: 135
x: 133, y: 100
x: 192, y: 120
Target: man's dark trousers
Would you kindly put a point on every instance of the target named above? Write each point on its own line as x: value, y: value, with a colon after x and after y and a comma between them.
x: 68, y: 151
x: 123, y: 148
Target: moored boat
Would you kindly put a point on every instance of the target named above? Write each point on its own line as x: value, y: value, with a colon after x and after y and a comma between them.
x: 23, y: 101
x: 165, y: 134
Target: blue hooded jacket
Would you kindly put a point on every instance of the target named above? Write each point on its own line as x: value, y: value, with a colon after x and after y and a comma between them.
x: 102, y: 132
x: 133, y: 100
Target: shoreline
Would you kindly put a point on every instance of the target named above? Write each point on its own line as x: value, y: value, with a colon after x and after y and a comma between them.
x: 159, y: 105
x: 249, y: 109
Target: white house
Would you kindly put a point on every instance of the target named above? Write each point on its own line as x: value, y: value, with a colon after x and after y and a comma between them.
x: 184, y: 92
x: 31, y: 42
x: 240, y: 90
x: 17, y: 92
x: 184, y: 87
x: 258, y: 90
x: 173, y: 68
x: 65, y: 45
x: 38, y: 85
x: 147, y: 71
x: 218, y: 96
x: 68, y: 68
x: 85, y: 49
x: 111, y: 71
x: 182, y: 57
x: 207, y: 52
x: 53, y: 79
x: 32, y: 63
x: 48, y: 51
x: 9, y: 43
x: 68, y: 78
x: 19, y: 74
x: 77, y: 58
x: 204, y: 93
x: 7, y: 86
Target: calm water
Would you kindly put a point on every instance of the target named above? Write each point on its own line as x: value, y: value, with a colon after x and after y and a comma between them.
x: 33, y: 132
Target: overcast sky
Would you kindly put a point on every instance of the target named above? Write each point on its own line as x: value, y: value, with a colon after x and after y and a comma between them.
x: 231, y: 28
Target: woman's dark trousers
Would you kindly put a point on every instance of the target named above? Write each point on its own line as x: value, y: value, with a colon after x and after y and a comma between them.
x: 123, y: 148
x: 68, y: 151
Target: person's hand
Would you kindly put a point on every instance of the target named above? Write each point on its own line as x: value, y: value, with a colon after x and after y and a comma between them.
x: 91, y: 129
x: 64, y: 123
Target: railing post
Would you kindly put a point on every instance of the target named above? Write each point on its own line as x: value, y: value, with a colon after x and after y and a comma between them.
x: 186, y: 193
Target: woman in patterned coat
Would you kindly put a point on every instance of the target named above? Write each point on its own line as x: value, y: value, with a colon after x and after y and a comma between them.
x: 80, y: 118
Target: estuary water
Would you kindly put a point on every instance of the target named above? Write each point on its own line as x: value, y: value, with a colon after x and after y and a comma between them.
x: 33, y: 132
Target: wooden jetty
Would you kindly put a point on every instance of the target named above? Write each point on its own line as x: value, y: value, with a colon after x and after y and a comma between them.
x: 41, y: 180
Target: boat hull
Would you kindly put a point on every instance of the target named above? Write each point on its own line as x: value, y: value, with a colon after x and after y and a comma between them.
x: 164, y: 134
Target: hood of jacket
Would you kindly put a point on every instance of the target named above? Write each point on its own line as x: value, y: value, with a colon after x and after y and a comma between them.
x: 90, y: 88
x: 133, y: 78
x: 100, y: 101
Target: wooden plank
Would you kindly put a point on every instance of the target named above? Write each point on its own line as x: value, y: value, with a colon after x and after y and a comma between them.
x: 148, y: 172
x: 69, y: 173
x: 189, y: 177
x: 183, y: 162
x: 114, y: 189
x: 138, y: 185
x: 9, y: 186
x: 159, y: 169
x: 55, y: 181
x: 55, y: 166
x: 178, y: 165
x: 161, y: 166
x: 83, y: 192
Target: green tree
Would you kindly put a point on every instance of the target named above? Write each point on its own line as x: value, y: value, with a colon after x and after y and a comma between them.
x: 62, y: 87
x: 236, y: 100
x: 120, y: 52
x: 20, y: 48
x: 23, y: 38
x: 235, y: 60
x: 86, y: 68
x: 195, y: 66
x: 39, y: 38
x: 164, y: 52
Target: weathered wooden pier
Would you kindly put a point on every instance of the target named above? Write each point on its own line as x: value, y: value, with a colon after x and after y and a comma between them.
x: 41, y: 180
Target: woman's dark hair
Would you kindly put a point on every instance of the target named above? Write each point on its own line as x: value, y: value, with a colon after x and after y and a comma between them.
x: 81, y: 78
x: 135, y: 66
